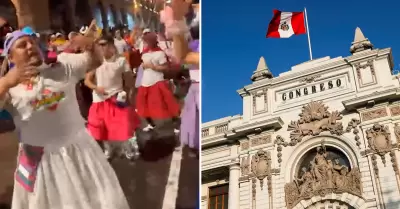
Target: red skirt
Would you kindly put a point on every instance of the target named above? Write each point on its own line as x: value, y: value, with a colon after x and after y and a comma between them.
x: 157, y: 102
x: 107, y: 121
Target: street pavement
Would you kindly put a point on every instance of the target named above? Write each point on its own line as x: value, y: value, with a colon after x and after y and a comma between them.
x: 8, y: 156
x: 168, y: 179
x: 167, y: 182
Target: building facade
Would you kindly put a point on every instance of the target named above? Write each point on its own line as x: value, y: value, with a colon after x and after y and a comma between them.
x: 69, y: 14
x: 323, y: 135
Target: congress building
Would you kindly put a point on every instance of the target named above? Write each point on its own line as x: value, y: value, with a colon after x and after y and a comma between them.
x: 323, y: 135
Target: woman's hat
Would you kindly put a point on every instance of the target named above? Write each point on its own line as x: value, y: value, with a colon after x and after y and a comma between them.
x: 10, y: 40
x: 29, y: 31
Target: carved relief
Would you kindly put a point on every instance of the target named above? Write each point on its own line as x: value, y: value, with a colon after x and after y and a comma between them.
x: 395, y: 111
x: 322, y: 177
x: 310, y: 79
x: 264, y: 102
x: 261, y: 165
x: 374, y: 114
x: 244, y: 145
x: 393, y: 159
x: 379, y: 139
x: 260, y: 140
x: 353, y: 124
x: 314, y: 119
x: 397, y: 133
x: 280, y: 141
x: 245, y: 165
x: 369, y: 78
x: 254, y: 188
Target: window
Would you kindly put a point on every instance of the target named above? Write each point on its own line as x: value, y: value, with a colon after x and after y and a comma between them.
x: 218, y: 197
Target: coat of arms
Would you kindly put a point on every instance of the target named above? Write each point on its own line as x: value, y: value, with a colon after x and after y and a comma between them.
x: 261, y: 165
x: 284, y: 26
x: 379, y: 139
x: 314, y: 119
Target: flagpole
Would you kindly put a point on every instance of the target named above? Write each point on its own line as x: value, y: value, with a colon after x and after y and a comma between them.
x: 308, y: 32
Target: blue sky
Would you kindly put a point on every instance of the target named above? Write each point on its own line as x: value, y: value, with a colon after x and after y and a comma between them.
x: 233, y: 39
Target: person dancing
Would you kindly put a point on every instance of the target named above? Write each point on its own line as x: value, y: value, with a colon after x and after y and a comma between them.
x: 155, y: 102
x: 110, y: 114
x: 59, y: 164
x: 176, y: 28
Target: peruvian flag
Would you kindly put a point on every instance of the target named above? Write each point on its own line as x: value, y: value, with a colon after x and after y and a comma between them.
x: 286, y: 24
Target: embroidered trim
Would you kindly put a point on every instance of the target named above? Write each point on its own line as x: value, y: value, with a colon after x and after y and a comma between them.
x: 28, y: 163
x: 49, y: 100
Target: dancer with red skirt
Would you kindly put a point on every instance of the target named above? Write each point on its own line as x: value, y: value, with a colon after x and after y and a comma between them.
x: 110, y: 115
x: 156, y: 105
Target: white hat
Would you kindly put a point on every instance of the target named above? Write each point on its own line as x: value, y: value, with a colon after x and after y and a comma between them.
x: 84, y: 29
x: 72, y: 34
x: 58, y: 34
x: 146, y: 31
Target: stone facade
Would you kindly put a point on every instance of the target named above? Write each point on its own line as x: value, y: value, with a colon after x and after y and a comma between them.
x: 323, y: 135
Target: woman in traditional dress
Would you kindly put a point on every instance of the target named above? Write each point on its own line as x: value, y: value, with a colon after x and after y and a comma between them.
x: 155, y: 101
x: 59, y: 164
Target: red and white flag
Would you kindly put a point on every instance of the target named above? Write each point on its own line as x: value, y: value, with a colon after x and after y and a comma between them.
x: 286, y: 24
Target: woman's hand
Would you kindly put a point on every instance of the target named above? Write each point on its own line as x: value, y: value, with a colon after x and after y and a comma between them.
x: 148, y: 65
x: 100, y: 91
x: 18, y: 75
x: 180, y: 8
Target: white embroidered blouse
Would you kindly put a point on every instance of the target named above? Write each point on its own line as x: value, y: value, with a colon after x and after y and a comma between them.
x: 48, y: 114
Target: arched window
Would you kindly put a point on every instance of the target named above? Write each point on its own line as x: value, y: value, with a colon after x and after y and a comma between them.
x: 112, y: 16
x: 131, y: 21
x: 100, y: 15
x: 124, y: 17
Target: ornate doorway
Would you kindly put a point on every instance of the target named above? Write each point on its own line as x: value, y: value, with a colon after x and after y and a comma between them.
x: 330, y: 204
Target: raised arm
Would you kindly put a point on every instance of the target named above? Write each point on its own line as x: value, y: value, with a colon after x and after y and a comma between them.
x: 79, y: 64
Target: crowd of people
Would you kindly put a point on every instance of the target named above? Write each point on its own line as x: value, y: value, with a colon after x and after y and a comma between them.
x: 78, y: 100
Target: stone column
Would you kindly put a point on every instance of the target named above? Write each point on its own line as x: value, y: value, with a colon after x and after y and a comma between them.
x: 234, y: 174
x: 33, y: 13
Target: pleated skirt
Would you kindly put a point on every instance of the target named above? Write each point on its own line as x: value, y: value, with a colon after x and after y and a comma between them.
x: 75, y: 176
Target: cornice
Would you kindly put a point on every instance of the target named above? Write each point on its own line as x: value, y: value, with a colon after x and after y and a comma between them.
x: 242, y: 130
x: 220, y: 121
x: 318, y: 69
x: 374, y: 97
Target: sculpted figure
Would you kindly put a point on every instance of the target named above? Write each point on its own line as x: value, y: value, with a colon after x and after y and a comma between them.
x: 324, y: 175
x: 340, y: 172
x: 329, y: 172
x: 321, y: 165
x: 304, y: 183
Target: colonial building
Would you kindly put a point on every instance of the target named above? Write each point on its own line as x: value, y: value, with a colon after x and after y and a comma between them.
x: 323, y: 135
x: 68, y: 14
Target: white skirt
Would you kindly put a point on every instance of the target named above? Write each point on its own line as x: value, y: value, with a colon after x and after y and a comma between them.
x: 76, y: 176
